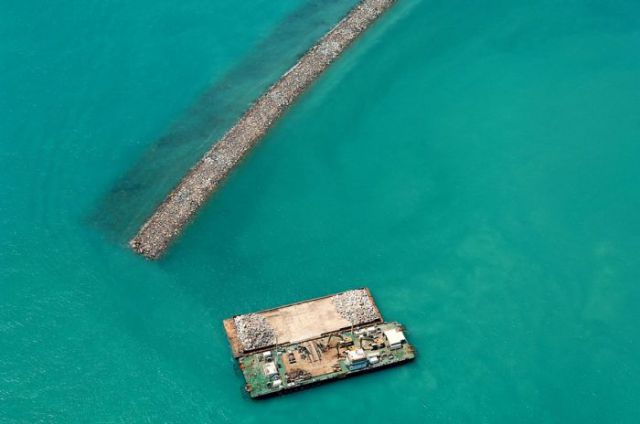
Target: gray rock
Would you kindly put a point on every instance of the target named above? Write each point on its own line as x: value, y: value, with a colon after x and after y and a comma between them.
x: 254, y: 332
x: 356, y: 307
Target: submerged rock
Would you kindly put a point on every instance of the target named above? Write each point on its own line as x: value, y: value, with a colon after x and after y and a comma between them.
x: 177, y: 210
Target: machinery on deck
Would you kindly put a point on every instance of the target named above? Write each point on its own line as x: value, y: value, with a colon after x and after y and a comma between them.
x: 290, y: 347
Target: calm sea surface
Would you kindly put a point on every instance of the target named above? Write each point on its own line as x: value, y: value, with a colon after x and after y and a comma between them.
x: 475, y: 164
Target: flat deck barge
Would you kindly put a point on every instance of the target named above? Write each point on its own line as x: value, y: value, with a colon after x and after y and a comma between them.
x: 315, y: 341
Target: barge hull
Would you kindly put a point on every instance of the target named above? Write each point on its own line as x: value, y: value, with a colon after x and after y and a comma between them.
x: 315, y: 383
x: 296, y: 372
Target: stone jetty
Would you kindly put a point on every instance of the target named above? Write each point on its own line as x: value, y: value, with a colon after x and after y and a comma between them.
x: 177, y: 210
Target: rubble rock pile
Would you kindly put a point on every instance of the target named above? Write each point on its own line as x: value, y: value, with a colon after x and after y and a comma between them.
x: 356, y: 307
x: 254, y: 332
x: 205, y: 177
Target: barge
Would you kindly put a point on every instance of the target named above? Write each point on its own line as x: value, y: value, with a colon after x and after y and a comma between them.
x: 302, y: 344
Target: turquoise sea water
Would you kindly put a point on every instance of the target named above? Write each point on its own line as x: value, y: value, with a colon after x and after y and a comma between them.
x: 474, y: 163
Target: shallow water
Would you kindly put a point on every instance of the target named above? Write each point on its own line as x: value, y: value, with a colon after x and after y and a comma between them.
x: 475, y: 165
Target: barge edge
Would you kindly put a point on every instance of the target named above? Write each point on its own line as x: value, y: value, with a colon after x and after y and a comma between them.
x: 316, y: 383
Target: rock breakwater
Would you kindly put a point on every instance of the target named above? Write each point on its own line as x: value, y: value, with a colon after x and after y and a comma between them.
x: 177, y: 210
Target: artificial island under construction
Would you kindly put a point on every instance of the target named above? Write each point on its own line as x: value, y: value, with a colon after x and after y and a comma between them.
x: 314, y: 341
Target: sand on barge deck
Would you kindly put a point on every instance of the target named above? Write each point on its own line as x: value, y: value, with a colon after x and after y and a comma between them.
x: 176, y: 211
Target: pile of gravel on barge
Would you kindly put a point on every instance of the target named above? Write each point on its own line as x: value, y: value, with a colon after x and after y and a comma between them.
x: 314, y: 341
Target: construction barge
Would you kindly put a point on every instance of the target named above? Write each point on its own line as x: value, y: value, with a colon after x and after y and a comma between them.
x: 302, y: 344
x: 179, y: 207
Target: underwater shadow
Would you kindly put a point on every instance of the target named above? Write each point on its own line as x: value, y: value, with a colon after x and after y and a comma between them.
x: 134, y: 196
